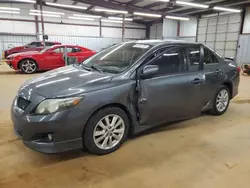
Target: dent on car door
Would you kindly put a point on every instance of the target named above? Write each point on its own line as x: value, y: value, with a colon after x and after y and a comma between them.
x: 170, y: 95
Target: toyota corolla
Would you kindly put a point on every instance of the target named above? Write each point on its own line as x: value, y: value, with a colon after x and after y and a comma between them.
x: 124, y: 89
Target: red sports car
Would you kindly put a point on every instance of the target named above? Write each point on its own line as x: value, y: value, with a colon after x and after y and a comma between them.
x: 47, y: 59
x: 33, y: 46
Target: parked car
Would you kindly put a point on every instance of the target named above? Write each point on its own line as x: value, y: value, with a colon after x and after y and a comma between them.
x: 47, y: 59
x: 33, y: 46
x: 126, y: 88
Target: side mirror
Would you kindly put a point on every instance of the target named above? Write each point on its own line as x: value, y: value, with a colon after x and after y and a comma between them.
x: 52, y: 52
x: 149, y: 71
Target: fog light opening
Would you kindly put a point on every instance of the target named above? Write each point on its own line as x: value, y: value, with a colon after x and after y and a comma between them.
x: 50, y: 137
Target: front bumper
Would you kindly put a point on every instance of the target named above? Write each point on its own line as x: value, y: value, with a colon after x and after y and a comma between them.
x: 66, y: 127
x: 12, y: 63
x: 52, y: 147
x: 5, y: 54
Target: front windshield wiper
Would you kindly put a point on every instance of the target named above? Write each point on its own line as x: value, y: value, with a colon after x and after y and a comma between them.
x: 92, y: 67
x: 86, y: 67
x: 95, y: 68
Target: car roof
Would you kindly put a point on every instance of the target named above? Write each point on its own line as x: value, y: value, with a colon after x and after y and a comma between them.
x: 67, y: 45
x: 46, y: 41
x: 160, y: 42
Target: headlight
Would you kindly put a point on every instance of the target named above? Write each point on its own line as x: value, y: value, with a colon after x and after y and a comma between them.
x: 54, y: 105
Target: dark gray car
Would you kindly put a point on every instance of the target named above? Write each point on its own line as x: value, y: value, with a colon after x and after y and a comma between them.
x: 124, y: 89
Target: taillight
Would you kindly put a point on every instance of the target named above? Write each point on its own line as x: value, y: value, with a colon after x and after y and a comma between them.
x: 238, y: 69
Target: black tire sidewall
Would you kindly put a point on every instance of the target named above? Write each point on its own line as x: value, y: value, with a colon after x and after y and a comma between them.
x: 88, y: 141
x: 27, y: 72
x: 215, y: 110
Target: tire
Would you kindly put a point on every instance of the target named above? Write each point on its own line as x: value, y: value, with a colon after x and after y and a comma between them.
x: 101, y: 143
x: 28, y: 66
x: 216, y: 110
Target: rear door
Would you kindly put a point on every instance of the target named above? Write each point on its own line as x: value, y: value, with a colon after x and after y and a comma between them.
x: 173, y: 93
x: 212, y: 73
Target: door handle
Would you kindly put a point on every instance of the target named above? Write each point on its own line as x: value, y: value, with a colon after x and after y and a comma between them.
x: 218, y: 71
x: 197, y: 81
x: 143, y: 100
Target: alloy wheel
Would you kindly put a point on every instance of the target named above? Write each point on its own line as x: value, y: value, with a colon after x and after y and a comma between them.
x: 222, y: 100
x: 29, y: 66
x: 109, y: 131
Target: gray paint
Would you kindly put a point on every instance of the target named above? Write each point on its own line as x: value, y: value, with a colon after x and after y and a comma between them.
x: 148, y: 102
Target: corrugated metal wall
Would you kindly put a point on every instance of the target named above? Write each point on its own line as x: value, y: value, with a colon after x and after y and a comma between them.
x: 156, y: 31
x: 188, y: 28
x: 220, y: 33
x: 188, y: 39
x: 243, y: 55
x: 9, y: 41
x: 169, y: 29
x: 94, y: 43
x: 246, y: 25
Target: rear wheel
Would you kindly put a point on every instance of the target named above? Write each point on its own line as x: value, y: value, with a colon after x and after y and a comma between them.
x: 28, y: 66
x: 221, y: 101
x: 106, y: 131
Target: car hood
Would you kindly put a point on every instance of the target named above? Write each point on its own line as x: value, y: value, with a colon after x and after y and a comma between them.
x: 17, y: 48
x: 24, y: 54
x: 67, y: 81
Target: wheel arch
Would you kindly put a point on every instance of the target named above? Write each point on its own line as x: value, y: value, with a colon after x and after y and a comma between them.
x: 229, y: 84
x: 29, y: 58
x: 117, y: 105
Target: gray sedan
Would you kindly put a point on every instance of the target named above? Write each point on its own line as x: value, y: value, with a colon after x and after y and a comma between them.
x: 124, y: 89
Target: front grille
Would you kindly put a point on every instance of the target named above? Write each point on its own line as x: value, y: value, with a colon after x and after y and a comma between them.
x: 22, y: 103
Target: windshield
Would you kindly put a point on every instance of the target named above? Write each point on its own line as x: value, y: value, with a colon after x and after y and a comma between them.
x: 45, y: 49
x: 117, y: 58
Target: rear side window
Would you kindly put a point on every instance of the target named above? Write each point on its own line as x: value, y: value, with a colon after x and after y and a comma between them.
x: 194, y: 55
x: 209, y: 57
x: 49, y: 43
x: 58, y: 50
x: 193, y: 58
x: 39, y: 44
x: 32, y: 45
x: 168, y: 62
x: 74, y: 50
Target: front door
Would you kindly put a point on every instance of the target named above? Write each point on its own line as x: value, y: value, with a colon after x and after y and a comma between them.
x: 173, y: 94
x: 54, y: 58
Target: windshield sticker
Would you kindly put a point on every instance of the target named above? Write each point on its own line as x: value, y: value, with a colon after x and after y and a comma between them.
x: 143, y: 46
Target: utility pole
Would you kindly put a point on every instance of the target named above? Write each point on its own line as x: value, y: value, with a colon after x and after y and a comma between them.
x: 41, y: 10
x: 123, y: 27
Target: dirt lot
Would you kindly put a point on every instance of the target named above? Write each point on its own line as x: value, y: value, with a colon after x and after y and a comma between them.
x: 200, y: 153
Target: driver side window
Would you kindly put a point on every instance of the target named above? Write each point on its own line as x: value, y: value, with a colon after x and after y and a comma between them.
x: 32, y: 45
x: 168, y: 62
x: 58, y: 50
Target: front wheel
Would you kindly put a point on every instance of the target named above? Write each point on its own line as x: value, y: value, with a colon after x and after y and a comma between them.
x: 28, y: 66
x: 221, y: 101
x: 106, y: 131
